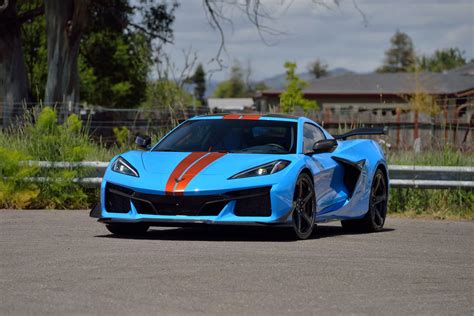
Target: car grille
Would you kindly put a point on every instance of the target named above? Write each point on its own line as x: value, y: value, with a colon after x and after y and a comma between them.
x: 253, y: 202
x: 205, y: 205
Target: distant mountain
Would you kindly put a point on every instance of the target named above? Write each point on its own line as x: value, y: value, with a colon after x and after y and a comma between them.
x: 277, y: 82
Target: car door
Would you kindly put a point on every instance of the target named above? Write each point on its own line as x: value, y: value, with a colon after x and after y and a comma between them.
x: 324, y: 169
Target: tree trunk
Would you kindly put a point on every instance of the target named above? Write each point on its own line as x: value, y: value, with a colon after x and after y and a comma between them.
x: 65, y: 20
x: 13, y: 78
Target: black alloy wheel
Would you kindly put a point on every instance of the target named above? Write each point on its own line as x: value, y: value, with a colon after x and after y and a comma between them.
x: 304, y: 207
x: 374, y: 220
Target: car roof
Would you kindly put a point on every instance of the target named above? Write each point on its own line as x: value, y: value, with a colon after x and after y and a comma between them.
x: 270, y: 116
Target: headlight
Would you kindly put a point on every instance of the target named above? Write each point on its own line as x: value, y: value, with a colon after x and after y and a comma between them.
x: 268, y: 168
x: 124, y: 167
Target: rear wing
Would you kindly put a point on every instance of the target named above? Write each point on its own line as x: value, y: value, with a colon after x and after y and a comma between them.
x: 363, y: 131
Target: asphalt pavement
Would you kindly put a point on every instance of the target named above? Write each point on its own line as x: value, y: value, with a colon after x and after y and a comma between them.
x: 63, y: 262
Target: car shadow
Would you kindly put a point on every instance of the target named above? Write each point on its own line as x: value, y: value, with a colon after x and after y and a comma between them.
x: 238, y: 233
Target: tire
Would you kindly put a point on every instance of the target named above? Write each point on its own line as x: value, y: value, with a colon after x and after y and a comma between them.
x: 304, y: 207
x: 374, y: 219
x: 124, y: 229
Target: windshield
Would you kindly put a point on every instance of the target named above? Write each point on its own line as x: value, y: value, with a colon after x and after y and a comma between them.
x: 237, y: 136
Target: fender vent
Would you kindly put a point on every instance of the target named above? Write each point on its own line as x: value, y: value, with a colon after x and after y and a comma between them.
x: 352, y: 171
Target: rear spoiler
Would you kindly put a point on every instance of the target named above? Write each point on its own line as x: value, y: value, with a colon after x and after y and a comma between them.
x: 363, y: 131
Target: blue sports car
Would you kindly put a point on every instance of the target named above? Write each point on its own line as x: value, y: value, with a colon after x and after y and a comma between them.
x: 247, y: 169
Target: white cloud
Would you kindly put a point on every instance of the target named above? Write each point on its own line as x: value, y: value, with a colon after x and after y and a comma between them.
x: 336, y: 35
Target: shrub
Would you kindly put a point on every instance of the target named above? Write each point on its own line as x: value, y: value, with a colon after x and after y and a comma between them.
x: 441, y: 204
x: 15, y: 189
x: 41, y: 137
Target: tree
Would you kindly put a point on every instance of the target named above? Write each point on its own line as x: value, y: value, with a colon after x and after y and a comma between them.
x: 33, y: 36
x: 13, y: 78
x: 239, y: 84
x: 400, y: 57
x: 293, y: 95
x: 442, y: 60
x: 422, y: 102
x: 67, y: 22
x: 234, y: 87
x: 260, y: 86
x: 318, y: 69
x: 72, y: 15
x: 199, y: 80
x: 114, y: 61
x: 166, y: 94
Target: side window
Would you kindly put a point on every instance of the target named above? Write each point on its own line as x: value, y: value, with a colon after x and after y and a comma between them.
x: 311, y: 134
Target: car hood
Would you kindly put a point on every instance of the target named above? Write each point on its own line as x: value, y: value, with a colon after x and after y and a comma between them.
x: 213, y: 163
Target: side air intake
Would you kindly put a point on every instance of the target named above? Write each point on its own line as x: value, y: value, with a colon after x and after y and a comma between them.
x: 352, y: 171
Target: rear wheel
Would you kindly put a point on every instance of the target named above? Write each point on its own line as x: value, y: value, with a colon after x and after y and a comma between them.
x: 127, y: 229
x: 304, y: 207
x: 374, y: 220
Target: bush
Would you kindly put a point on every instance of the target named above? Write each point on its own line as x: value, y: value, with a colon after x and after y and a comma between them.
x: 49, y: 141
x: 61, y: 192
x: 440, y: 204
x: 15, y: 189
x: 41, y: 137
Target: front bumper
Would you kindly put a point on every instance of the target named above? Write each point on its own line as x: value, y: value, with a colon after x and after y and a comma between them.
x: 267, y: 205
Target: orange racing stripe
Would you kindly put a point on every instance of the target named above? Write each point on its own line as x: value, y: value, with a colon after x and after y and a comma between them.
x: 242, y: 117
x: 195, y: 169
x: 180, y: 168
x: 251, y: 117
x: 232, y: 117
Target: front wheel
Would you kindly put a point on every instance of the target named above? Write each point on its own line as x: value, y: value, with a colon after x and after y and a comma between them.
x: 127, y: 229
x: 374, y: 220
x: 304, y: 207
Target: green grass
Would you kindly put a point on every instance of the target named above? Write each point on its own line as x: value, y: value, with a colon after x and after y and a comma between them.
x: 437, y: 204
x: 448, y: 157
x: 41, y: 137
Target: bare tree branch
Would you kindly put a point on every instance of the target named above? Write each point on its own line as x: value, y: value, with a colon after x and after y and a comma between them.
x: 365, y: 21
x: 167, y: 70
x: 214, y: 17
x: 150, y: 34
x: 217, y: 12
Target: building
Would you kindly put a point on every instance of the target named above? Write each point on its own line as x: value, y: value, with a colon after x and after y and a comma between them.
x: 230, y: 104
x: 385, y: 98
x: 380, y: 91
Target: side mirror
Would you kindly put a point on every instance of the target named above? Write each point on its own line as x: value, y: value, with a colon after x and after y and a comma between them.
x: 143, y: 141
x: 324, y: 146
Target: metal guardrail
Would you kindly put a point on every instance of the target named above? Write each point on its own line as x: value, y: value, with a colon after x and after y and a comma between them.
x: 417, y: 177
x: 431, y: 177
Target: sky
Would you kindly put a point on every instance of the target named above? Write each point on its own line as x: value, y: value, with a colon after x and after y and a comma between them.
x: 338, y: 35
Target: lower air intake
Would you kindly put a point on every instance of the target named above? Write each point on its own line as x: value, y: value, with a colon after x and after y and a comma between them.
x: 115, y: 201
x: 253, y: 202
